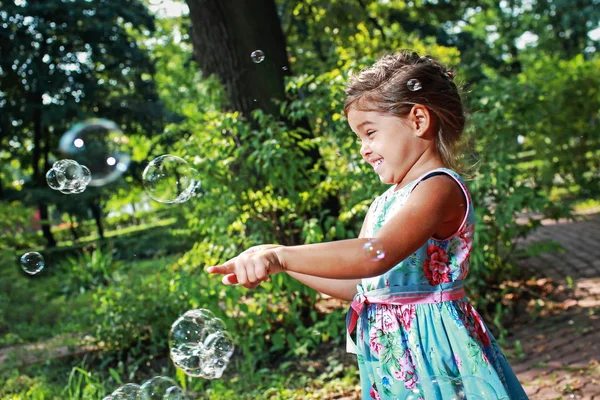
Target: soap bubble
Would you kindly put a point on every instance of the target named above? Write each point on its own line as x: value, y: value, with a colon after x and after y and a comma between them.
x: 32, y: 262
x: 174, y: 393
x: 414, y: 85
x: 374, y: 249
x: 101, y: 146
x: 170, y: 179
x: 257, y: 56
x: 53, y: 178
x: 67, y: 176
x: 199, y: 344
x: 156, y: 388
x: 130, y: 391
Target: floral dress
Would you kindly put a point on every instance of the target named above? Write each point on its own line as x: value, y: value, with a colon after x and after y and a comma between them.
x: 418, y: 337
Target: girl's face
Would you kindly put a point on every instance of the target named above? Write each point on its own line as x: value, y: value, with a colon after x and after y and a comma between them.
x: 391, y: 145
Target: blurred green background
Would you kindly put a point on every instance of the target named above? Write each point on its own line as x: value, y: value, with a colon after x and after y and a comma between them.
x: 277, y: 162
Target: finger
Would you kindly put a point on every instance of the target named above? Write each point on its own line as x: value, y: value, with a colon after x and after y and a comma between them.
x: 240, y: 272
x: 250, y: 271
x: 251, y: 285
x: 254, y: 285
x: 261, y: 272
x: 227, y: 267
x: 229, y: 279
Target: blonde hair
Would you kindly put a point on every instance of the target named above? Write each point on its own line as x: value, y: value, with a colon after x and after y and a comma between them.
x: 383, y: 87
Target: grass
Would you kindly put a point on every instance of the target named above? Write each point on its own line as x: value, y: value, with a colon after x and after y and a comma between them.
x: 75, y: 379
x: 122, y: 231
x: 35, y: 310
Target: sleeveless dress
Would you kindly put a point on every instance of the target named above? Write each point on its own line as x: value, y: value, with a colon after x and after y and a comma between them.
x: 417, y: 335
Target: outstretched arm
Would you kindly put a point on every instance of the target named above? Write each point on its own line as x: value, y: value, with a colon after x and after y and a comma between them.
x: 343, y: 289
x: 412, y: 225
x: 417, y: 220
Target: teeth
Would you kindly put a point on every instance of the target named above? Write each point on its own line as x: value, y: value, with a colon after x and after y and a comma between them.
x: 378, y: 162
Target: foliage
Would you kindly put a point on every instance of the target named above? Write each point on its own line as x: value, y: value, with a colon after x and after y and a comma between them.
x: 258, y: 184
x: 88, y: 271
x: 17, y: 226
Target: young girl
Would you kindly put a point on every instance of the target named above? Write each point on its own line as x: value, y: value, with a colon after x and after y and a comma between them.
x: 417, y: 335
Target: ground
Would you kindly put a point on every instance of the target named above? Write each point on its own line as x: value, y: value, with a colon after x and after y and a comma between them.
x: 554, y: 349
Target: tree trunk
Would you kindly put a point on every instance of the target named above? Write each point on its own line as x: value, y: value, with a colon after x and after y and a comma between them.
x: 224, y: 34
x: 133, y: 217
x: 72, y: 227
x: 97, y: 213
x: 38, y: 175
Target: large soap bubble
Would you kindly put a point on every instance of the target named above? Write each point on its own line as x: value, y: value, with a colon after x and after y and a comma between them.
x: 170, y: 179
x: 199, y: 344
x: 156, y: 388
x: 101, y: 146
x: 129, y: 391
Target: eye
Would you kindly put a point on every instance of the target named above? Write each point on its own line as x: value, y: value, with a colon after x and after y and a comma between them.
x: 370, y: 132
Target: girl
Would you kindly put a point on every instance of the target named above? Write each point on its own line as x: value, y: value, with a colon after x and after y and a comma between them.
x: 417, y: 335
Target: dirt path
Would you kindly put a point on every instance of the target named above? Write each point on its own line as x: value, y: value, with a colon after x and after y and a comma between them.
x: 562, y: 351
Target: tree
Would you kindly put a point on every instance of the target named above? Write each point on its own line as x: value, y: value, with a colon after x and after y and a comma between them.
x: 61, y: 65
x: 224, y: 35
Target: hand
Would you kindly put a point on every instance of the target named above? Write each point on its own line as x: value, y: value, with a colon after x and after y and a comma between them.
x: 251, y: 267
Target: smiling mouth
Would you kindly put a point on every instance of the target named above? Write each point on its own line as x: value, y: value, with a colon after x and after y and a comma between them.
x: 377, y: 164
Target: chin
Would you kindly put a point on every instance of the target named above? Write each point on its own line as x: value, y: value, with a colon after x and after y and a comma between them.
x: 384, y: 180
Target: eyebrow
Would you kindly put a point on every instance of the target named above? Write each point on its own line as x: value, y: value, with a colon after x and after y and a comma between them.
x: 362, y: 124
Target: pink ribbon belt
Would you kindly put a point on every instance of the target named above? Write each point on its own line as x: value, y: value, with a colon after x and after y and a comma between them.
x: 402, y: 295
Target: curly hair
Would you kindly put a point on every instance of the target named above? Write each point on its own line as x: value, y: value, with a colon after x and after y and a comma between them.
x: 383, y: 87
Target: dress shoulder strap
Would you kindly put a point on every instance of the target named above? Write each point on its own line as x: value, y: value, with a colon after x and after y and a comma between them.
x: 458, y: 179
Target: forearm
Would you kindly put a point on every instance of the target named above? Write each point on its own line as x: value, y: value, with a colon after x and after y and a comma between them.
x: 343, y: 289
x: 343, y: 259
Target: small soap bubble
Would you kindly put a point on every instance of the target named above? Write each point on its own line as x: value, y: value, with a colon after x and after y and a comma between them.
x: 73, y: 187
x: 156, y: 388
x: 53, y: 178
x: 174, y: 393
x: 32, y: 262
x: 129, y: 391
x: 414, y: 85
x: 257, y: 56
x: 101, y: 146
x: 199, y: 344
x: 374, y: 250
x: 170, y: 179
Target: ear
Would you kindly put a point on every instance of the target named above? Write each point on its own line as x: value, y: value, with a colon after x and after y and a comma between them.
x: 421, y: 119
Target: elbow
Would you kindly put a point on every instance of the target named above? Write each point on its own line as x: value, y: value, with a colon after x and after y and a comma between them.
x: 376, y: 268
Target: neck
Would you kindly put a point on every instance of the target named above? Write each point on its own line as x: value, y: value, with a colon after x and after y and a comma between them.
x: 426, y: 162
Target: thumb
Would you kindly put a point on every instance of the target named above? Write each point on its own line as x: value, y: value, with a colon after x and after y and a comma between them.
x: 229, y: 279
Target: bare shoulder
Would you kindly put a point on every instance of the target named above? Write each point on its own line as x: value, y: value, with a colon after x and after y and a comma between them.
x: 433, y: 209
x: 439, y: 186
x: 442, y: 196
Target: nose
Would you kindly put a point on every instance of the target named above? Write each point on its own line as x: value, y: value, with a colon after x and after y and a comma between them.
x: 365, y: 150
